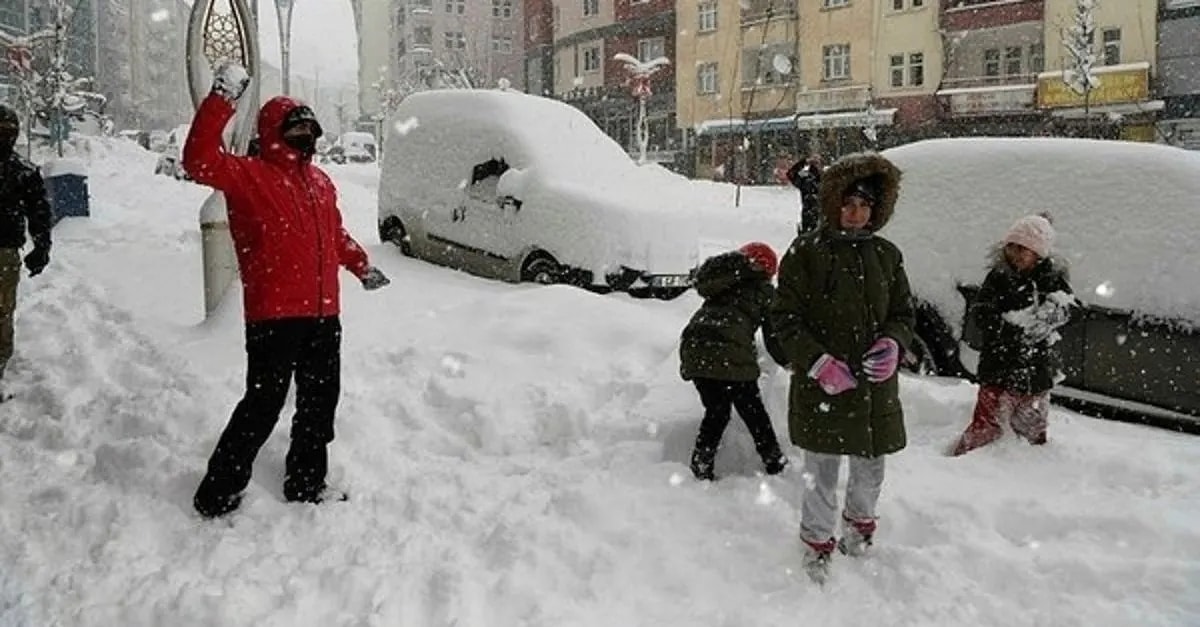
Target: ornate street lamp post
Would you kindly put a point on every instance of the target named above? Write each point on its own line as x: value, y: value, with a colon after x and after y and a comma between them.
x: 639, y: 85
x: 221, y: 31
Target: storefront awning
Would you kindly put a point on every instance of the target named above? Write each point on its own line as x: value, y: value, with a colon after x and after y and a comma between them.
x: 881, y: 117
x: 1125, y: 108
x: 737, y: 125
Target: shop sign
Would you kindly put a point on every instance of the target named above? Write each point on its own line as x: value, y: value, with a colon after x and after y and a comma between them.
x: 1132, y: 85
x: 992, y: 101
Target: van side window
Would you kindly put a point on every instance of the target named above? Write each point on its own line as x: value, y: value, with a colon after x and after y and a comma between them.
x: 491, y: 167
x: 485, y: 178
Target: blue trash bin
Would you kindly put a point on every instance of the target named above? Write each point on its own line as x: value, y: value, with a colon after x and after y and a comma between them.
x: 67, y: 189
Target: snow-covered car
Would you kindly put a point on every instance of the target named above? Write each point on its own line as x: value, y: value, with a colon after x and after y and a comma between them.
x: 1126, y: 216
x: 522, y: 188
x: 353, y: 147
x: 170, y: 162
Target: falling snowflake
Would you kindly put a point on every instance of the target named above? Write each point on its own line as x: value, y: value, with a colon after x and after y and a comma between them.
x: 160, y: 15
x: 1105, y: 290
x: 676, y: 479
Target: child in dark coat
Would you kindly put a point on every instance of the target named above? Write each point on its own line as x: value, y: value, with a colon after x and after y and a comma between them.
x: 1020, y: 306
x: 717, y: 352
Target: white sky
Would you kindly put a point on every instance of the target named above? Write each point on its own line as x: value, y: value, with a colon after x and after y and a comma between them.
x: 323, y: 39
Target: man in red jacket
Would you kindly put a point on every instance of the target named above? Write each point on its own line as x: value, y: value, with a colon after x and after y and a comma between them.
x: 287, y: 231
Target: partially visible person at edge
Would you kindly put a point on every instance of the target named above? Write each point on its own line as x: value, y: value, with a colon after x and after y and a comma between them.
x: 805, y: 175
x: 1024, y: 300
x: 23, y: 205
x: 290, y: 242
x: 844, y: 315
x: 718, y: 355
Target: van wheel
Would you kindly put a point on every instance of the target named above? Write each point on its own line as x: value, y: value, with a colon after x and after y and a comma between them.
x: 540, y: 267
x: 392, y: 230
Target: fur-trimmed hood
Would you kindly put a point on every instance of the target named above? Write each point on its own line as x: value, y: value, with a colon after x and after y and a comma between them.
x: 851, y: 168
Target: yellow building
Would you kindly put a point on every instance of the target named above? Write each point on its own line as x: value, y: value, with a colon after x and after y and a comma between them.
x: 737, y: 77
x: 1126, y: 49
x: 907, y: 66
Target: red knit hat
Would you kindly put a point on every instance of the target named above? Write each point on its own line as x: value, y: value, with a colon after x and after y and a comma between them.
x: 762, y: 255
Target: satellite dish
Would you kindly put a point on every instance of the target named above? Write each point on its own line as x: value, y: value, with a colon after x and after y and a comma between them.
x: 782, y: 64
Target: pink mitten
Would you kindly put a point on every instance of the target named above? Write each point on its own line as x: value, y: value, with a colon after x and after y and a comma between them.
x: 832, y: 374
x: 881, y: 360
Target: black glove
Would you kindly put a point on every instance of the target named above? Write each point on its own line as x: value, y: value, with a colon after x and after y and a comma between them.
x: 373, y: 279
x: 230, y: 81
x: 36, y: 260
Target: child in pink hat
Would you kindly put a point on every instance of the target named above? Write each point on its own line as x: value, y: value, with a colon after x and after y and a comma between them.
x: 1021, y: 305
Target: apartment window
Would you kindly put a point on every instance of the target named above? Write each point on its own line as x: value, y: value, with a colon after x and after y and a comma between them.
x: 503, y: 44
x: 456, y: 6
x: 502, y: 8
x: 591, y: 7
x: 898, y: 5
x: 1037, y: 58
x: 649, y: 49
x: 831, y: 4
x: 456, y: 41
x: 991, y: 62
x: 1012, y: 61
x: 1111, y: 38
x: 708, y: 17
x: 423, y: 36
x: 916, y: 69
x: 421, y: 5
x: 836, y: 61
x: 706, y: 78
x: 916, y: 4
x: 896, y: 62
x: 591, y: 59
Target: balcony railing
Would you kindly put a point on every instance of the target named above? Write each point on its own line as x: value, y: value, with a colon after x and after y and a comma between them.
x: 759, y: 10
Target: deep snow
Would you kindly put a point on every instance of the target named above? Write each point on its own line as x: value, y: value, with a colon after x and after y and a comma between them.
x: 516, y: 456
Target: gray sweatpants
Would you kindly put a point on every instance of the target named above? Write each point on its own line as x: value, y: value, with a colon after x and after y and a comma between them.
x: 819, y: 509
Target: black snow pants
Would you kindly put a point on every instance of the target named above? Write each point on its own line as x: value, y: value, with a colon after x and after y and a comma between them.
x: 276, y: 350
x: 719, y: 398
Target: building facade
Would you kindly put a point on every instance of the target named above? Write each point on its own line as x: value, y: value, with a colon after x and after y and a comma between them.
x: 586, y: 36
x: 1179, y: 72
x: 908, y: 69
x: 993, y: 54
x: 1126, y: 46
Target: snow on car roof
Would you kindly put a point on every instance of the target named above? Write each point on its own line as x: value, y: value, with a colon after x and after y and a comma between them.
x: 1126, y: 216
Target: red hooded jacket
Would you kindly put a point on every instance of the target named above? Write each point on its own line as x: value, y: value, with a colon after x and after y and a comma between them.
x: 283, y: 215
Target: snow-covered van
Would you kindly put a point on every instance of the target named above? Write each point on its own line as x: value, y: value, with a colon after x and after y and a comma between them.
x: 1126, y: 216
x: 521, y: 188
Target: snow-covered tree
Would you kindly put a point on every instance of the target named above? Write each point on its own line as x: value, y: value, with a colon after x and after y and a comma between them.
x: 1078, y: 39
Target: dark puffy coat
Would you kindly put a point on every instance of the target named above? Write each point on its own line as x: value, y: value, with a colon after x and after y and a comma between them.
x: 1009, y: 357
x: 283, y: 215
x: 23, y: 202
x: 718, y: 342
x: 807, y: 179
x: 838, y: 293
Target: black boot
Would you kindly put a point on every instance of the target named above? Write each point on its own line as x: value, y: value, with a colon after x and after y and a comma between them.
x: 776, y: 463
x: 703, y: 459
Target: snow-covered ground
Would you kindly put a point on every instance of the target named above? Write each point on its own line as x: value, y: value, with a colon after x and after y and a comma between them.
x: 516, y: 456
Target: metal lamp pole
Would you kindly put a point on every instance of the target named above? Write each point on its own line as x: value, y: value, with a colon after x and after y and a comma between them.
x: 222, y: 31
x: 283, y: 13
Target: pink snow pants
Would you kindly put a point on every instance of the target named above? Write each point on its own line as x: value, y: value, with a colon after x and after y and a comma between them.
x: 994, y: 407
